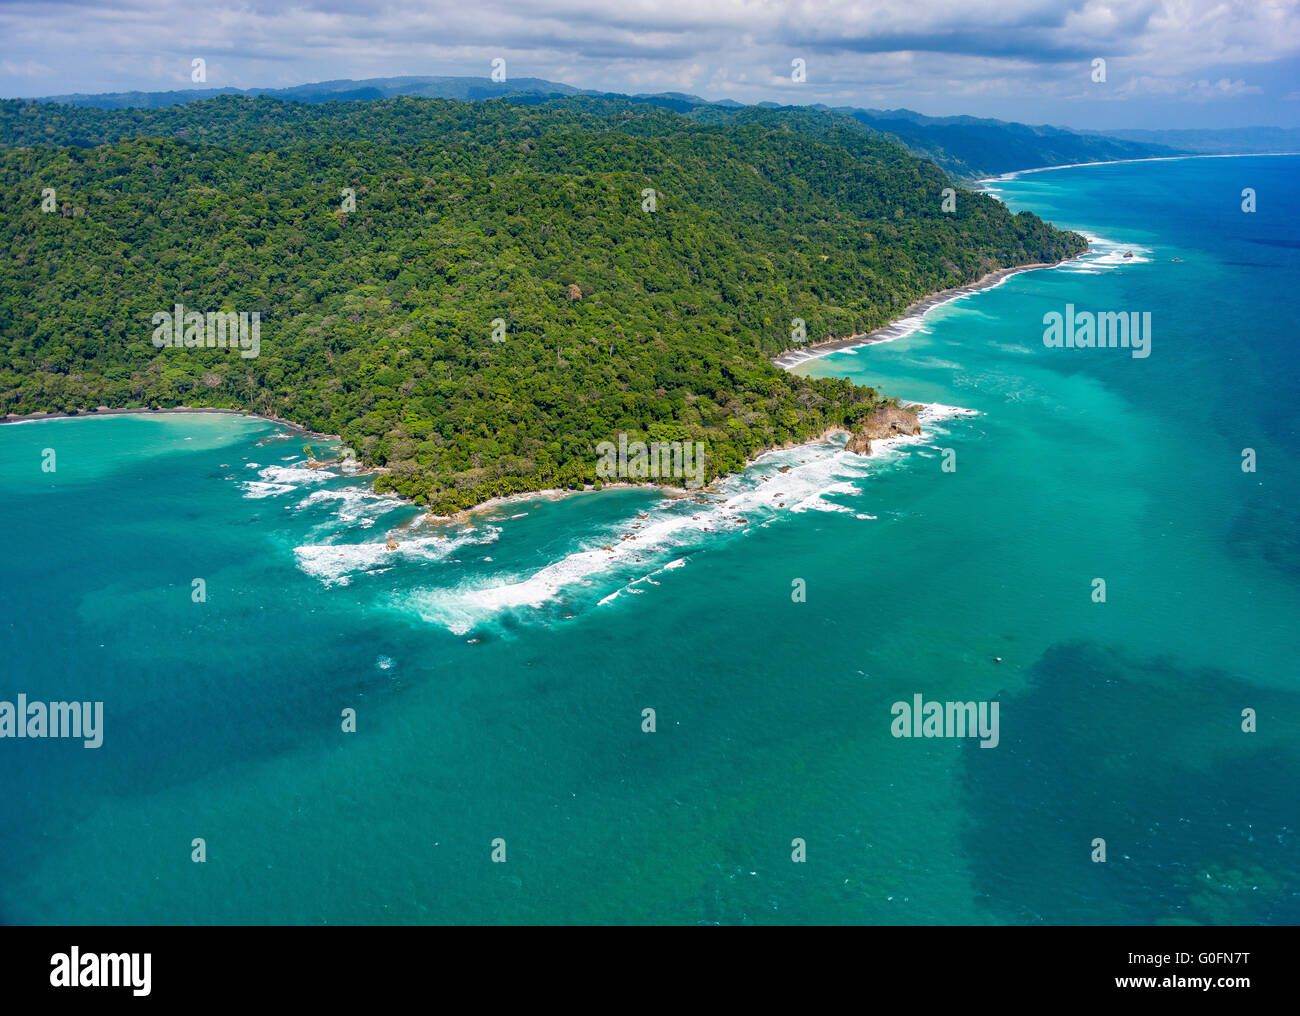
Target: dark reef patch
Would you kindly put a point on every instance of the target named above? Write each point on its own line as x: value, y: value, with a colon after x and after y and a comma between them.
x: 1200, y: 818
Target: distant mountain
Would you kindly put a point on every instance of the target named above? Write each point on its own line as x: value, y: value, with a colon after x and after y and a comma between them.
x: 1230, y: 140
x: 971, y: 147
x: 346, y: 90
x: 967, y: 147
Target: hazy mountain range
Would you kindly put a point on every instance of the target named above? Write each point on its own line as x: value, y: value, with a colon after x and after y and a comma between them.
x: 967, y: 147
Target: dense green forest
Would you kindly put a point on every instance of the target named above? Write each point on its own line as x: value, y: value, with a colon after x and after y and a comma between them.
x: 966, y: 147
x: 378, y: 319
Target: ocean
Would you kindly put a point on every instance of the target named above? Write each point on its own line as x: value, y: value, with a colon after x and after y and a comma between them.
x: 500, y: 669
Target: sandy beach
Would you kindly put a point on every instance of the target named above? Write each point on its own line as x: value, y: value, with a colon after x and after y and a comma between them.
x: 107, y: 411
x: 904, y: 323
x: 901, y: 325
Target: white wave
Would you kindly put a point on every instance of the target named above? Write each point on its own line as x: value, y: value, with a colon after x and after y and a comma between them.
x: 295, y: 474
x: 354, y: 504
x: 1106, y: 254
x: 762, y: 493
x: 903, y: 327
x: 818, y: 505
x: 257, y: 489
x: 930, y: 416
x: 336, y: 563
x: 276, y: 480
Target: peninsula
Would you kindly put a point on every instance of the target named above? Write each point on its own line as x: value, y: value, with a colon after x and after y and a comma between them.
x: 476, y: 296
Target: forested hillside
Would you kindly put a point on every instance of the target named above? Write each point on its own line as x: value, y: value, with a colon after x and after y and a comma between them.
x: 965, y: 146
x: 971, y: 147
x: 378, y: 317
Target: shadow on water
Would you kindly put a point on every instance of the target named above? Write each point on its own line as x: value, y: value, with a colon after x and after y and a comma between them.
x: 1199, y: 817
x: 168, y: 731
x: 1254, y: 532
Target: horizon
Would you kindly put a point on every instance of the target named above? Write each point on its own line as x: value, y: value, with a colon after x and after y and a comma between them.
x: 206, y: 93
x: 1180, y: 66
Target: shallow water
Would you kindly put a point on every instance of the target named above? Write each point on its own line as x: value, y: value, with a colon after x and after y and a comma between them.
x: 499, y: 668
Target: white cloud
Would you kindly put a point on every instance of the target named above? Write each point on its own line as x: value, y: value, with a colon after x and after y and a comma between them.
x: 913, y: 52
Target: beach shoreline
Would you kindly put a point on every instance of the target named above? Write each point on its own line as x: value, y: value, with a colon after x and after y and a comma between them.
x: 917, y: 308
x: 665, y: 490
x: 552, y: 494
x: 1120, y: 162
x: 785, y: 361
x: 145, y: 411
x: 429, y: 517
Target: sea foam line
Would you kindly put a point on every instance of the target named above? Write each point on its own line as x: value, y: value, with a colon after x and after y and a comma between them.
x: 336, y: 563
x: 756, y: 497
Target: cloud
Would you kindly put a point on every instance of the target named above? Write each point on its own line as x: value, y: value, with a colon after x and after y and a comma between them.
x: 26, y: 69
x: 901, y: 52
x: 1221, y: 89
x: 1200, y: 90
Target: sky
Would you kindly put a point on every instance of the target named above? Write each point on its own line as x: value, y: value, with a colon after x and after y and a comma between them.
x: 1167, y: 63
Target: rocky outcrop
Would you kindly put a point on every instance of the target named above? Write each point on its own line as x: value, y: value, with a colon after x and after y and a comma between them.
x: 887, y: 421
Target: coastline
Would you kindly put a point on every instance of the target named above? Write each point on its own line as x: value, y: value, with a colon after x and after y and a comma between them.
x: 1120, y: 162
x: 895, y: 328
x: 465, y: 514
x: 677, y: 493
x: 898, y: 327
x: 549, y: 494
x: 143, y: 411
x: 559, y: 493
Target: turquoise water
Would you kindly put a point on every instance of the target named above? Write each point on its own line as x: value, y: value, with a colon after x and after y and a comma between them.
x: 499, y: 669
